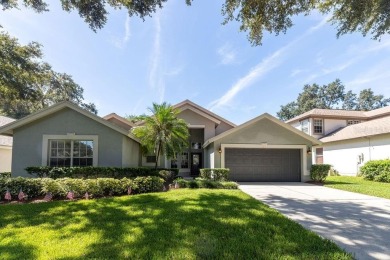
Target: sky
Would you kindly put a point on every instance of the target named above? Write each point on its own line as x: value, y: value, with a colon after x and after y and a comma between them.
x: 184, y: 52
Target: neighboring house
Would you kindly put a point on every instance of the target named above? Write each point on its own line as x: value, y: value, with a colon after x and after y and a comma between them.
x: 349, y: 138
x: 262, y: 149
x: 5, y: 147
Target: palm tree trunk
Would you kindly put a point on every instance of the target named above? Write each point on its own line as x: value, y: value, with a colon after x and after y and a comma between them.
x: 157, y: 155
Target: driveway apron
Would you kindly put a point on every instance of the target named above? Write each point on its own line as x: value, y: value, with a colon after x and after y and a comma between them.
x: 358, y: 223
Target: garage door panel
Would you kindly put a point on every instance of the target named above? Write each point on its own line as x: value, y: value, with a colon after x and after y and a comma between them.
x: 248, y: 164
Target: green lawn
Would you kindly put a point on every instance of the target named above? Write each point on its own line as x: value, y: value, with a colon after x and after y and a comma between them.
x: 359, y: 185
x: 180, y: 224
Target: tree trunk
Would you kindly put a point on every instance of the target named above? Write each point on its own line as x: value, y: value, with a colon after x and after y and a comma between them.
x: 157, y: 155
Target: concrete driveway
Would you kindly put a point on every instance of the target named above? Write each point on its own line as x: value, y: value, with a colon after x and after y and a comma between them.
x: 358, y: 223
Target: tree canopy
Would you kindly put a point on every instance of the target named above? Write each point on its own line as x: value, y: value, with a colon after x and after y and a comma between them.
x: 255, y: 16
x: 28, y: 84
x: 331, y: 96
x: 162, y: 133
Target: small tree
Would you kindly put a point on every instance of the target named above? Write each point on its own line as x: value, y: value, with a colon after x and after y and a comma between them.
x: 162, y: 133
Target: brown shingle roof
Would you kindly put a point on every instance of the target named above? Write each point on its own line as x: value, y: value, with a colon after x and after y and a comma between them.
x: 5, y: 140
x: 339, y: 113
x: 368, y: 128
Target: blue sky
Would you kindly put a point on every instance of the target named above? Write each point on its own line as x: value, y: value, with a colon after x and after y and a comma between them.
x: 185, y: 53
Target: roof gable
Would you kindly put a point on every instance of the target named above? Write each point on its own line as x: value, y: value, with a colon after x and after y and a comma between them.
x: 8, y: 129
x: 257, y: 119
x: 114, y: 117
x: 187, y: 104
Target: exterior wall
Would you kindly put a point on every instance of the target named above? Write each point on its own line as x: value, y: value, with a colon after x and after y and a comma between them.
x: 27, y: 144
x: 296, y: 125
x: 222, y: 127
x: 344, y: 155
x: 193, y: 118
x: 331, y: 125
x: 266, y: 133
x: 5, y: 158
x: 130, y: 153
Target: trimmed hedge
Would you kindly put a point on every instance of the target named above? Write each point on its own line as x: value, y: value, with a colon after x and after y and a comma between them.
x: 38, y: 187
x: 209, y: 184
x: 5, y: 175
x: 378, y: 170
x: 95, y: 172
x: 319, y: 172
x: 216, y: 174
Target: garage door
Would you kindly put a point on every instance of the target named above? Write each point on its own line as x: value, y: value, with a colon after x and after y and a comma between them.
x: 263, y: 164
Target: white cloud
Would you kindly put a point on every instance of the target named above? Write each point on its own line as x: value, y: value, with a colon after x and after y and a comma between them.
x: 254, y: 74
x: 174, y: 71
x: 295, y: 72
x: 261, y: 69
x: 120, y: 43
x: 156, y: 80
x: 227, y: 54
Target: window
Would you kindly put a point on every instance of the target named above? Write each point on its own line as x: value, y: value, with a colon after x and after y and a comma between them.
x: 319, y: 155
x: 318, y: 126
x: 151, y: 159
x: 196, y: 146
x: 67, y: 153
x: 184, y: 161
x: 305, y: 126
x: 353, y: 122
x: 180, y: 162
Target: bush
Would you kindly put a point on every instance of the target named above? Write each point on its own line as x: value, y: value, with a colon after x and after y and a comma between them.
x: 148, y: 184
x: 378, y: 170
x: 5, y: 175
x: 319, y: 172
x: 216, y: 174
x: 208, y: 184
x: 31, y: 187
x: 98, y: 187
x: 95, y: 172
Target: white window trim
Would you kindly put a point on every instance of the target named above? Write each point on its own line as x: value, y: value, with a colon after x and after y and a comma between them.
x: 304, y: 171
x: 322, y: 125
x: 46, y: 138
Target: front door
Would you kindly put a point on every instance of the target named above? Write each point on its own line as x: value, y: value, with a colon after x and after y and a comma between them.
x: 196, y: 163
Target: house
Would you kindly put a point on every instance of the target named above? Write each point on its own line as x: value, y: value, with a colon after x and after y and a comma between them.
x: 349, y: 138
x: 67, y: 135
x: 262, y: 149
x: 5, y: 147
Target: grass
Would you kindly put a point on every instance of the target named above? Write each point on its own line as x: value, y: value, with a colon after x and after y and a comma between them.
x: 180, y: 224
x: 359, y: 185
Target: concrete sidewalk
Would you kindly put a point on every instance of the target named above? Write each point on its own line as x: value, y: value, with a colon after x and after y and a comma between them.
x: 358, y: 223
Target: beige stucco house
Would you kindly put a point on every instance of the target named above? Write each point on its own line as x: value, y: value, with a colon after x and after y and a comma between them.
x: 349, y: 138
x: 262, y: 149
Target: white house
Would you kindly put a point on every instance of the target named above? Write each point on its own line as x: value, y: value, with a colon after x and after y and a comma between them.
x: 349, y: 138
x: 5, y: 147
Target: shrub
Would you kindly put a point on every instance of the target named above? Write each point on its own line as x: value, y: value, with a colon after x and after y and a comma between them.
x: 31, y: 187
x: 36, y: 187
x: 95, y: 172
x: 378, y: 170
x: 208, y: 184
x: 148, y: 184
x: 5, y: 175
x: 319, y: 172
x: 216, y: 174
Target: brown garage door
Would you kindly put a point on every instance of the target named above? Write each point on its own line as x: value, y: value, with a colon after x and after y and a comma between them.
x: 247, y: 164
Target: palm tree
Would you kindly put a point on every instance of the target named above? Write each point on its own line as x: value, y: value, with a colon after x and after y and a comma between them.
x: 162, y: 133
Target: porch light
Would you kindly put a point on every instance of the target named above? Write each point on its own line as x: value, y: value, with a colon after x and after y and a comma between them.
x: 308, y: 150
x: 220, y: 150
